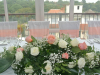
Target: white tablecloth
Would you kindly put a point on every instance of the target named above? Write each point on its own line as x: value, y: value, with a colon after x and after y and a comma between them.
x: 11, y: 72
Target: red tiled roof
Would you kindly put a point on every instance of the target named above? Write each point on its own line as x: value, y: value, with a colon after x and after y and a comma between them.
x: 55, y: 11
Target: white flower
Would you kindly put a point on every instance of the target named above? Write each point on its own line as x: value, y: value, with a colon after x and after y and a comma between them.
x: 11, y: 48
x: 56, y: 41
x: 74, y: 42
x: 19, y: 55
x: 62, y: 43
x: 24, y: 46
x: 29, y: 69
x: 48, y: 62
x: 34, y: 51
x: 48, y: 68
x: 71, y: 64
x: 51, y: 55
x: 81, y: 62
x: 97, y: 58
x: 90, y: 56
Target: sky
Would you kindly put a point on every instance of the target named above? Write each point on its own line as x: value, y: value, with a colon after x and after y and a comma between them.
x: 88, y: 1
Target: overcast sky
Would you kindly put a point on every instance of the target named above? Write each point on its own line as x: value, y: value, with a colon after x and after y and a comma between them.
x: 88, y: 1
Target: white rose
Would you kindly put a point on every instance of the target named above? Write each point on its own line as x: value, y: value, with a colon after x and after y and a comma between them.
x: 71, y: 64
x: 62, y: 43
x: 29, y: 69
x: 48, y: 68
x: 11, y: 48
x: 74, y: 42
x: 81, y: 62
x: 34, y: 51
x: 90, y: 56
x: 19, y: 55
x: 56, y: 41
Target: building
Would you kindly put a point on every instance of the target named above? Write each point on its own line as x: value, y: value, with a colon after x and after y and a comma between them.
x: 84, y: 23
x: 77, y: 8
x: 54, y: 20
x: 56, y: 11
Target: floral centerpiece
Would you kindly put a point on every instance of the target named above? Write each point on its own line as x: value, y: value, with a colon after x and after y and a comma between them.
x: 52, y: 55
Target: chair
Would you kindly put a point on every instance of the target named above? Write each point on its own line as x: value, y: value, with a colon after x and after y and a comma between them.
x: 69, y: 27
x: 38, y: 29
x: 93, y: 29
x: 8, y: 29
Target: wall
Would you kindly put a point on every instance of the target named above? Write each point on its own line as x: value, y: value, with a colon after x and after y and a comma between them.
x: 76, y: 10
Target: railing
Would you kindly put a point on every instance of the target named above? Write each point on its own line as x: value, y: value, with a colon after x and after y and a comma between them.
x: 54, y: 18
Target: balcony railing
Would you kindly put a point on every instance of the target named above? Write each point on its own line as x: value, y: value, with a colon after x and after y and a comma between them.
x: 54, y: 18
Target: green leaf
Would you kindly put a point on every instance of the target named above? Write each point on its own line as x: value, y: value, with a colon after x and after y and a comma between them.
x: 58, y: 69
x: 96, y: 70
x: 6, y: 61
x: 64, y: 64
x: 64, y: 69
x: 33, y: 39
x: 4, y: 65
x: 73, y: 70
x: 44, y: 69
x: 75, y: 50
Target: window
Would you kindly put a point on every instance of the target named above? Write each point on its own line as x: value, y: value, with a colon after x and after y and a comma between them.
x: 78, y: 7
x: 53, y: 20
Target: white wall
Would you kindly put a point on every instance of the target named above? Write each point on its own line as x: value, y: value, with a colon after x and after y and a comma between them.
x: 76, y: 10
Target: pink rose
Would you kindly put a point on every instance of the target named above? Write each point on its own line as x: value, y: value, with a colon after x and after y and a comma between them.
x: 82, y: 46
x: 28, y: 39
x: 51, y: 39
x: 65, y: 55
x: 20, y: 49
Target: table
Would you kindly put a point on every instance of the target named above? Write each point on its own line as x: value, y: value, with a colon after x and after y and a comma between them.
x: 11, y: 72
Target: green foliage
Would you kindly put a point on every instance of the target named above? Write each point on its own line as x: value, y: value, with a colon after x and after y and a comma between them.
x: 7, y: 59
x: 15, y: 5
x: 34, y: 40
x: 64, y: 61
x: 24, y: 10
x: 91, y: 71
x: 83, y: 1
x: 4, y: 64
x: 75, y: 50
x: 63, y: 69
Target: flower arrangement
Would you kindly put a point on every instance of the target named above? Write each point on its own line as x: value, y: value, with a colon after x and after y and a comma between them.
x: 52, y: 55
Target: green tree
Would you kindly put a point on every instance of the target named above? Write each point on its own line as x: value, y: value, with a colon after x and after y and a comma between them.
x: 59, y: 0
x: 83, y: 1
x: 1, y: 7
x: 14, y: 7
x: 24, y: 10
x: 97, y: 5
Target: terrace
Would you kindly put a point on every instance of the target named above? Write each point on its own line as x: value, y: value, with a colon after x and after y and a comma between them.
x: 54, y: 16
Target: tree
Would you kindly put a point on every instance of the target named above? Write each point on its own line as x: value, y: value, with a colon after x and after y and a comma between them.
x: 1, y: 7
x: 24, y: 10
x: 14, y: 7
x: 83, y: 1
x: 60, y: 1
